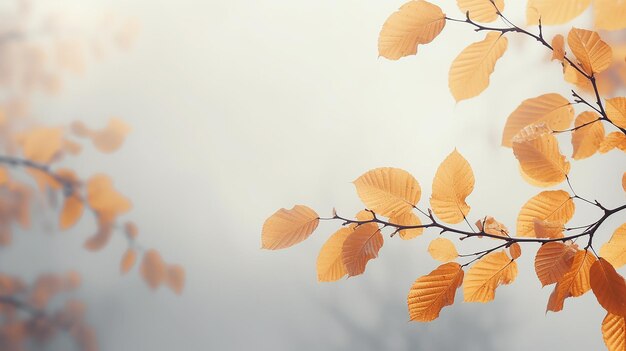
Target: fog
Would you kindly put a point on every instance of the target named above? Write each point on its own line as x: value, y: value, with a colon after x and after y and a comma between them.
x: 239, y: 108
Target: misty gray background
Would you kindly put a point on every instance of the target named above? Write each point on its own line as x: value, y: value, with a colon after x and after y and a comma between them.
x: 241, y: 107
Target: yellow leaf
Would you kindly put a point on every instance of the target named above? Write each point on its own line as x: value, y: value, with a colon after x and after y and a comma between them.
x: 443, y: 250
x: 515, y: 250
x: 329, y: 262
x: 616, y: 111
x: 558, y: 47
x: 614, y: 250
x: 593, y: 54
x: 552, y: 261
x: 548, y: 229
x: 554, y: 11
x: 453, y: 182
x: 416, y: 22
x: 432, y: 292
x: 586, y: 140
x: 484, y: 276
x: 481, y: 10
x: 71, y: 212
x: 128, y: 260
x: 552, y: 109
x: 489, y: 225
x: 575, y: 282
x: 614, y: 332
x: 286, y: 228
x: 470, y: 71
x: 553, y: 206
x: 613, y: 140
x: 537, y: 151
x: 408, y: 219
x: 389, y: 192
x: 361, y: 246
x: 608, y: 286
x: 609, y: 14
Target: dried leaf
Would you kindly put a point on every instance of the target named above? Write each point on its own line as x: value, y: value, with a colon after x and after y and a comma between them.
x: 608, y: 286
x: 616, y: 111
x: 453, y: 182
x: 389, y: 192
x: 553, y: 206
x: 286, y: 228
x: 614, y: 332
x: 614, y: 250
x: 593, y: 54
x: 432, y: 292
x: 575, y: 282
x: 586, y: 140
x: 553, y: 260
x: 443, y: 250
x: 408, y: 219
x: 537, y: 151
x: 548, y: 229
x: 330, y: 265
x: 515, y: 250
x: 491, y: 226
x: 361, y: 246
x: 486, y: 275
x: 613, y: 140
x: 558, y: 47
x: 416, y: 22
x: 470, y: 70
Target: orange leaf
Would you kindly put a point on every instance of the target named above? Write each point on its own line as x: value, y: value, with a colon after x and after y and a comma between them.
x: 484, y: 276
x: 548, y: 229
x: 42, y: 144
x: 614, y: 332
x: 558, y: 47
x: 443, y: 250
x: 128, y: 260
x: 554, y: 11
x: 389, y: 192
x: 489, y: 225
x: 286, y: 228
x: 613, y: 140
x: 614, y: 251
x: 586, y: 140
x: 575, y: 282
x: 330, y: 265
x: 361, y: 246
x: 616, y: 111
x: 515, y: 250
x: 408, y: 219
x: 554, y: 206
x: 71, y: 212
x: 537, y: 151
x: 111, y: 137
x: 175, y: 279
x: 153, y: 269
x: 608, y: 286
x: 470, y: 70
x: 102, y: 236
x: 553, y: 260
x: 453, y: 183
x: 416, y: 22
x: 552, y: 109
x: 103, y: 198
x: 481, y: 10
x: 432, y: 292
x: 593, y: 54
x: 609, y: 15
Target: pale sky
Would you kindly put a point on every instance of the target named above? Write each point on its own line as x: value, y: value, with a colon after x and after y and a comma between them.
x: 241, y: 107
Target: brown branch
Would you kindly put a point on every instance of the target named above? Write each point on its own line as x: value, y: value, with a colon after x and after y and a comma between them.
x: 68, y: 184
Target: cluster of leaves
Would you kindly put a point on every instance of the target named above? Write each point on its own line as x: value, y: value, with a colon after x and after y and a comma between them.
x: 392, y: 195
x: 33, y: 57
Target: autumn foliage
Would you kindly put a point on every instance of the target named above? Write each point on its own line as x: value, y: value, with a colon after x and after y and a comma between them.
x: 32, y: 173
x: 573, y: 259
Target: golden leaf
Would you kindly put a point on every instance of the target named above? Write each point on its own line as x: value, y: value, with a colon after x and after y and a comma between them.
x: 537, y: 151
x: 484, y: 276
x: 558, y: 47
x: 593, y: 54
x: 42, y: 144
x: 616, y: 111
x: 575, y: 282
x: 608, y: 286
x: 552, y: 109
x: 489, y: 225
x: 286, y: 228
x: 481, y: 10
x: 416, y: 22
x: 329, y: 261
x: 553, y: 206
x: 554, y: 11
x: 432, y: 292
x: 153, y: 269
x: 470, y: 70
x: 586, y: 140
x: 552, y: 261
x: 361, y: 246
x: 103, y: 198
x: 175, y: 278
x: 408, y: 219
x: 609, y: 14
x: 515, y: 250
x: 453, y: 182
x: 128, y: 260
x: 548, y: 229
x: 71, y: 212
x: 613, y: 140
x: 614, y: 250
x: 614, y: 332
x: 443, y: 250
x: 389, y: 192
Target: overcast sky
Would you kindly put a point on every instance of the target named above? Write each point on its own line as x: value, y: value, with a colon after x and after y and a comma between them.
x: 241, y: 107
